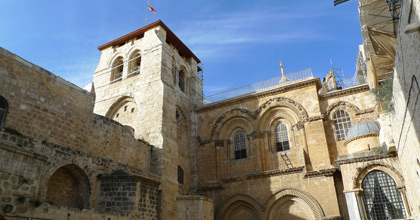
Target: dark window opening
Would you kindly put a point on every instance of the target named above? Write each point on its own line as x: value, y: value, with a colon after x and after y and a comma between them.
x: 180, y: 175
x: 3, y: 111
x: 181, y: 82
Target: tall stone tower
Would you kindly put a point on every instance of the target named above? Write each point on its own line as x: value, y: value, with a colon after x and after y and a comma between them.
x: 147, y: 80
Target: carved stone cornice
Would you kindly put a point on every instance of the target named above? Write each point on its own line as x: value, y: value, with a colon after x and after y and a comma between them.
x: 371, y: 156
x: 368, y: 110
x: 255, y: 134
x: 325, y: 172
x: 315, y: 118
x: 212, y: 186
x: 271, y: 173
x: 346, y: 91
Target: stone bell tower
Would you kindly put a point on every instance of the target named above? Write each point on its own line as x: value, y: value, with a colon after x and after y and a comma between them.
x: 147, y: 80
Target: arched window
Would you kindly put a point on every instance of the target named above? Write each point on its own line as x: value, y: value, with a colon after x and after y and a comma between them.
x: 381, y: 197
x: 239, y: 143
x: 181, y: 80
x: 342, y: 123
x: 135, y: 61
x: 117, y: 69
x: 282, y: 137
x: 3, y: 111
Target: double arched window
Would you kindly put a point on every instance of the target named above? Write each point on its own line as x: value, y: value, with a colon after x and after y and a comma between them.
x: 381, y: 197
x: 282, y: 137
x: 3, y: 111
x: 342, y: 123
x: 239, y: 143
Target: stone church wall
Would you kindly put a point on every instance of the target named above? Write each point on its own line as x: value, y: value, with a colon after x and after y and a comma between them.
x: 52, y: 141
x: 406, y: 90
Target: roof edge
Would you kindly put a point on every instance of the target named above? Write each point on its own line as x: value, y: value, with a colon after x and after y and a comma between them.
x: 170, y: 36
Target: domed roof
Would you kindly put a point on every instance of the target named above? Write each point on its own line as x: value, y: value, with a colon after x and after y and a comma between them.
x: 362, y: 128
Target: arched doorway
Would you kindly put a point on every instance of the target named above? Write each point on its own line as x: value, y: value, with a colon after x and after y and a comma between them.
x: 293, y: 204
x: 69, y: 186
x: 291, y: 208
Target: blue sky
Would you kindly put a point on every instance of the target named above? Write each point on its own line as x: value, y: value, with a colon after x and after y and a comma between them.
x: 238, y: 42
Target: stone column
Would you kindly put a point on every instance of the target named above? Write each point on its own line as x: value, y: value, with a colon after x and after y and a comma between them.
x: 353, y: 205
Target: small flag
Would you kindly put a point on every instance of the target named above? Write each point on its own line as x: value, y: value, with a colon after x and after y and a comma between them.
x: 151, y: 9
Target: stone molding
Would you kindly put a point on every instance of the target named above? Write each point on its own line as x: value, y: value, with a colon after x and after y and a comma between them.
x: 247, y: 114
x: 275, y: 91
x: 360, y: 88
x: 370, y: 157
x: 381, y: 166
x: 338, y: 104
x: 306, y: 197
x: 325, y: 172
x: 291, y: 104
x: 279, y: 102
x: 360, y: 137
x: 271, y: 173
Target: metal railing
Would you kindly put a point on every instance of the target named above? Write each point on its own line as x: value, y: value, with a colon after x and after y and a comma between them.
x: 347, y: 83
x: 306, y: 73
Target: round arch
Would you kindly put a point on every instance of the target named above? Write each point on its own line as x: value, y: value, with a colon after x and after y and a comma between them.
x: 240, y: 207
x: 293, y: 203
x: 69, y: 186
x: 117, y: 105
x: 350, y: 108
x: 295, y: 107
x: 225, y: 120
x: 391, y: 171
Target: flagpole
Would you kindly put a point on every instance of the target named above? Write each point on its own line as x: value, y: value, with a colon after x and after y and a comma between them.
x: 147, y: 11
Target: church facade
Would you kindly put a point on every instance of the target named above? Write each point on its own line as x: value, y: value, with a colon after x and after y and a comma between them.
x: 141, y: 142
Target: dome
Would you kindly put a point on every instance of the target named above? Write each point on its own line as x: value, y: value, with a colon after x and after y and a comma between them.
x: 362, y: 128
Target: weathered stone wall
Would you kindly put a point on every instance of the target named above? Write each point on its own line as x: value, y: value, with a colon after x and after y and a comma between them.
x: 43, y: 105
x: 406, y: 123
x: 162, y: 111
x: 358, y: 101
x: 265, y: 173
x: 117, y: 194
x: 195, y: 207
x: 51, y: 137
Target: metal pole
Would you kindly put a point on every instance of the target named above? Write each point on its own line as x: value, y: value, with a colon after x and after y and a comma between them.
x: 147, y: 12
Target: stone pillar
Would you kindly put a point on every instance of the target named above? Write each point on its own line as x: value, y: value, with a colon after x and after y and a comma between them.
x: 353, y: 205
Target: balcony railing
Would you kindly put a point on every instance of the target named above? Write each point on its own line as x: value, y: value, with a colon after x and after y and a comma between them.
x: 303, y: 74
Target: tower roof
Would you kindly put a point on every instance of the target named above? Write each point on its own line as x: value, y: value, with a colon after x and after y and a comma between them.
x: 170, y: 37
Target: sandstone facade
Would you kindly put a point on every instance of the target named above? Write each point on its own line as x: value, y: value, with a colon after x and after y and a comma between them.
x: 140, y: 144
